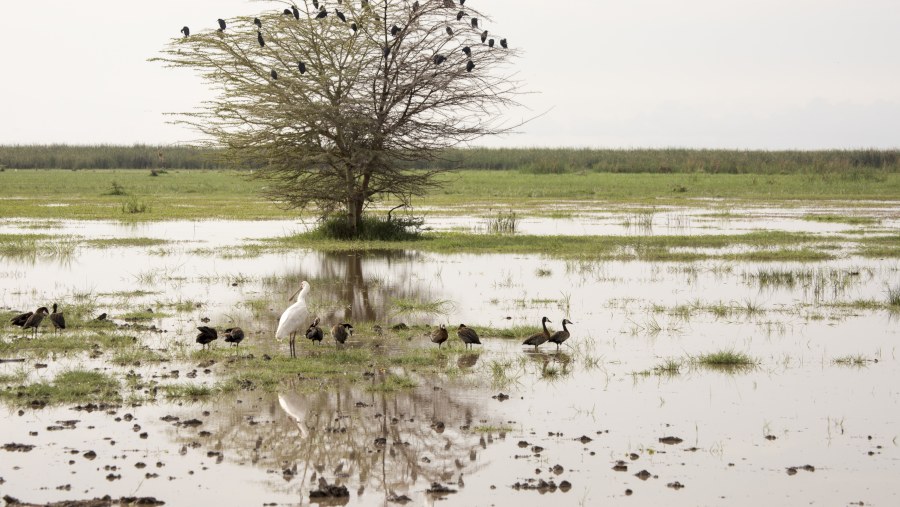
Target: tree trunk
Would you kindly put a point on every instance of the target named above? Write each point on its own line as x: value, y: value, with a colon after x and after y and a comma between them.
x: 354, y: 214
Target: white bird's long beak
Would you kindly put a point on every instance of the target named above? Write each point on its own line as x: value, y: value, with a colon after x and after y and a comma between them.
x: 295, y: 294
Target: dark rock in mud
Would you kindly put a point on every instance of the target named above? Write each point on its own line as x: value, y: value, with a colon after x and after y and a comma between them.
x: 380, y: 442
x: 643, y: 475
x: 557, y: 469
x: 90, y: 455
x: 169, y: 418
x: 17, y: 447
x: 439, y: 489
x: 537, y: 449
x: 565, y: 486
x: 113, y: 477
x: 329, y: 491
x: 190, y: 423
x: 584, y: 439
x: 400, y: 327
x: 500, y: 397
x: 536, y: 485
x: 675, y: 485
x: 620, y: 466
x: 523, y: 444
x: 402, y: 499
x: 105, y: 501
x: 634, y: 456
x: 771, y: 437
x: 791, y: 471
x: 628, y: 492
x: 670, y: 440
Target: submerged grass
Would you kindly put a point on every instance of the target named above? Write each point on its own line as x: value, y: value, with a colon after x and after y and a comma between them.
x: 727, y: 359
x: 74, y: 386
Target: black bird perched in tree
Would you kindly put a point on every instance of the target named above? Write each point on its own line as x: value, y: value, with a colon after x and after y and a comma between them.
x: 259, y: 39
x: 296, y: 12
x: 257, y: 22
x: 186, y: 31
x: 474, y: 22
x: 538, y: 339
x: 302, y: 67
x: 340, y: 332
x: 504, y: 46
x: 491, y: 43
x: 340, y: 15
x: 33, y: 321
x: 274, y: 74
x: 321, y: 14
x: 484, y: 36
x: 316, y: 4
x: 459, y: 15
x: 206, y: 335
x: 469, y: 66
x: 386, y: 51
x: 221, y: 24
x: 439, y: 59
x: 58, y: 319
x: 439, y: 335
x: 234, y: 335
x: 449, y: 31
x: 353, y: 27
x: 462, y: 2
x: 20, y: 319
x: 314, y: 332
x: 395, y: 30
x: 560, y: 336
x: 415, y: 6
x: 467, y: 335
x: 468, y: 51
x: 287, y: 12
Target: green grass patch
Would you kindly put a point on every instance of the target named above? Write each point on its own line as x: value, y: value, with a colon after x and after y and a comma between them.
x: 851, y: 360
x: 125, y: 242
x: 75, y: 386
x: 406, y: 306
x: 725, y: 358
x: 392, y: 383
x: 841, y: 219
x: 186, y: 390
x: 893, y: 297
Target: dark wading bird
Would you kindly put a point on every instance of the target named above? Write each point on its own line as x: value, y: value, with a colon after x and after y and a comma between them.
x: 539, y: 339
x: 439, y: 59
x: 20, y: 319
x: 221, y: 24
x: 34, y: 320
x: 560, y: 336
x: 386, y: 51
x: 468, y: 51
x: 316, y: 4
x: 469, y: 66
x: 504, y: 46
x: 294, y: 317
x: 234, y: 335
x: 491, y: 43
x: 302, y: 67
x: 257, y: 22
x: 415, y: 6
x: 259, y: 38
x: 439, y: 335
x: 340, y: 332
x: 340, y: 15
x: 483, y: 36
x: 314, y: 332
x: 395, y: 30
x: 321, y: 14
x: 468, y: 335
x: 459, y: 15
x: 58, y: 319
x: 449, y: 31
x: 296, y: 12
x: 206, y: 335
x: 274, y: 74
x: 474, y: 22
x: 186, y: 31
x: 287, y: 12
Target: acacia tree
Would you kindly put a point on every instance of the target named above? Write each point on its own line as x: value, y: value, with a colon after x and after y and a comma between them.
x: 337, y: 99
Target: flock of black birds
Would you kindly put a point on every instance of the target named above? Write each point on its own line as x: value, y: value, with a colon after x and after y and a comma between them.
x: 31, y: 320
x: 395, y: 31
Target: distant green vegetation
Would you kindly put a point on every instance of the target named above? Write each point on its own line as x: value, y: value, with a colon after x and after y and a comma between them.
x: 530, y: 160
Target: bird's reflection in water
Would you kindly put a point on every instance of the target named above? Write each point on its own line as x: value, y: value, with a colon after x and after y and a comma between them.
x: 468, y: 360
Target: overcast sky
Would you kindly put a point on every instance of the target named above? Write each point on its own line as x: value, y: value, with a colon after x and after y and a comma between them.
x: 758, y: 74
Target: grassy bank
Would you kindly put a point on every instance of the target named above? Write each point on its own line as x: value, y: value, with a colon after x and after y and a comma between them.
x: 136, y: 195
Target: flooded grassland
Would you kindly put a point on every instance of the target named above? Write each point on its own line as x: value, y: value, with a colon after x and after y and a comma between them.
x: 720, y: 353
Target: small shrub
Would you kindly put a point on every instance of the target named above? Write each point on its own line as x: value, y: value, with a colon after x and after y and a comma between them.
x: 134, y: 206
x: 503, y: 223
x: 371, y: 229
x: 116, y: 189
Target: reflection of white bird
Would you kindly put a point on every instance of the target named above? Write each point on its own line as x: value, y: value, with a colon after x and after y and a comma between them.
x: 295, y: 318
x: 293, y: 407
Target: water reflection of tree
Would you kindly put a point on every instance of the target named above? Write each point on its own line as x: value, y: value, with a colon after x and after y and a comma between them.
x: 333, y: 434
x: 355, y: 286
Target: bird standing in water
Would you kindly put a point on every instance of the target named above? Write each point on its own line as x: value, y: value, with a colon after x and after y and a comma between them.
x: 340, y: 332
x: 439, y: 335
x: 57, y: 318
x: 467, y: 335
x: 314, y: 332
x: 234, y: 335
x: 206, y: 336
x: 35, y: 319
x: 294, y: 318
x: 538, y: 339
x: 560, y: 336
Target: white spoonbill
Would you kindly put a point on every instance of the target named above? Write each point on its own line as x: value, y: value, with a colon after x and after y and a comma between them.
x: 295, y: 318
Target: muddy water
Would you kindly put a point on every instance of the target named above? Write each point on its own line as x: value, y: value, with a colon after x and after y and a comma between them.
x: 842, y: 420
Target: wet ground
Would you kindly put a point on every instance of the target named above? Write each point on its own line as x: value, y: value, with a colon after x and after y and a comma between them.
x: 623, y: 413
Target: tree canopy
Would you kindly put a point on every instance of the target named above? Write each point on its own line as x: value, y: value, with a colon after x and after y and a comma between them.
x: 335, y: 96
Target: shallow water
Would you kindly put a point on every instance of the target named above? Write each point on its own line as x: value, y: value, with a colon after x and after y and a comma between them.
x: 629, y: 317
